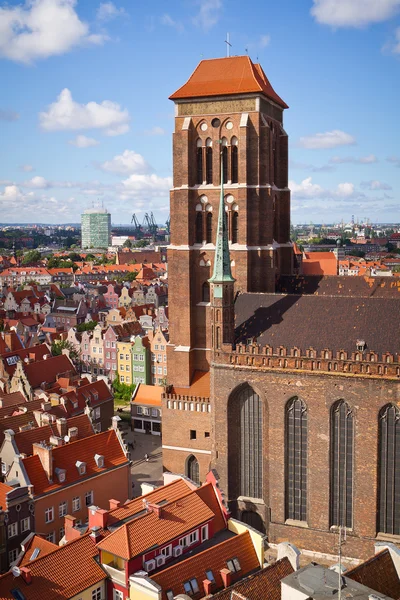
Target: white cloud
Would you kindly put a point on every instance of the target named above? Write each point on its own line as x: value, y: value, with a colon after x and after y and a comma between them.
x: 127, y: 163
x: 375, y: 185
x: 209, y: 13
x: 81, y: 141
x: 5, y: 114
x: 108, y: 11
x: 345, y: 189
x: 329, y: 139
x: 353, y: 13
x: 146, y: 186
x: 308, y: 189
x: 265, y: 41
x: 395, y: 160
x: 37, y: 182
x: 155, y: 131
x: 66, y: 114
x: 166, y: 19
x: 27, y: 168
x: 42, y: 28
x: 363, y: 160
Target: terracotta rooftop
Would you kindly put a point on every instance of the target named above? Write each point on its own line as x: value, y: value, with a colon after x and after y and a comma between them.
x: 177, y: 518
x: 4, y: 489
x: 265, y: 584
x: 65, y: 457
x: 35, y: 352
x: 36, y: 548
x: 148, y: 394
x: 12, y: 399
x: 379, y: 574
x: 47, y: 370
x: 319, y: 263
x: 200, y: 386
x: 378, y: 287
x: 213, y: 559
x: 225, y: 77
x: 51, y: 574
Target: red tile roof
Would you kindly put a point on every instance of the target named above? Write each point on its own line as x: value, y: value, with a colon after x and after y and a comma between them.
x: 96, y: 393
x: 379, y: 574
x: 64, y: 573
x: 4, y: 489
x: 65, y: 457
x: 199, y: 387
x: 148, y: 394
x: 227, y: 76
x: 46, y: 371
x: 214, y: 559
x: 177, y: 518
x: 319, y: 263
x: 36, y: 543
x: 12, y: 399
x: 207, y: 493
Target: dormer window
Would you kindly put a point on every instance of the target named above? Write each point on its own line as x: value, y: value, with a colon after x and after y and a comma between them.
x: 60, y: 473
x: 361, y: 345
x: 99, y: 459
x: 191, y: 587
x: 81, y: 466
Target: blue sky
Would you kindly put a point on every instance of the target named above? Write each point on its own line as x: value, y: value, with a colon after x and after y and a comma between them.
x: 85, y: 115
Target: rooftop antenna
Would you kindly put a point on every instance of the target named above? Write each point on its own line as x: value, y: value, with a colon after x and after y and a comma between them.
x: 228, y: 46
x: 246, y: 50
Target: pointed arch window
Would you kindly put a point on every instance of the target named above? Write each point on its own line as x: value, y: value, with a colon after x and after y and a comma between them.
x: 389, y: 470
x: 234, y: 160
x: 205, y: 292
x: 235, y: 227
x: 199, y: 227
x: 342, y: 446
x: 251, y: 446
x: 209, y: 162
x: 225, y: 158
x: 209, y: 227
x: 192, y: 469
x: 199, y: 163
x: 296, y: 460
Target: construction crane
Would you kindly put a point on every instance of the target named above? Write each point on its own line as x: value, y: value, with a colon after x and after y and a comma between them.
x: 168, y: 224
x: 138, y: 227
x: 151, y: 225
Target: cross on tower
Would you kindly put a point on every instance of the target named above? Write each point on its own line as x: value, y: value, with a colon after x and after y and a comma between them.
x: 228, y: 45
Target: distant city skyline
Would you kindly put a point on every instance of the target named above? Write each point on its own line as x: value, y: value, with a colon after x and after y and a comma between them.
x: 87, y: 115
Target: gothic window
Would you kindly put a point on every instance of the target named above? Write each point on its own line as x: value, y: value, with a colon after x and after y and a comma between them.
x: 235, y: 227
x: 296, y: 460
x: 205, y: 292
x: 199, y: 227
x: 209, y: 228
x: 342, y: 439
x: 251, y: 445
x: 192, y: 469
x: 199, y: 163
x: 234, y: 160
x: 389, y: 470
x: 209, y: 164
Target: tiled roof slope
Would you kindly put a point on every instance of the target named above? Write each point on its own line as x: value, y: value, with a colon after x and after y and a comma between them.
x: 177, y: 518
x: 148, y: 394
x: 4, y: 489
x: 12, y: 399
x: 37, y: 353
x: 65, y: 457
x: 51, y: 575
x: 227, y: 76
x: 379, y: 574
x: 36, y: 543
x: 263, y: 585
x: 207, y: 494
x: 318, y: 321
x: 199, y: 387
x: 47, y: 370
x: 16, y: 422
x: 214, y: 558
x: 378, y: 287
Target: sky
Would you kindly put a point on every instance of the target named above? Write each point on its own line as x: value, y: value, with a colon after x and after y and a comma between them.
x: 85, y: 116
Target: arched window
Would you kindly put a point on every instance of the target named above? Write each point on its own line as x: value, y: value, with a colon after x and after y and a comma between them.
x: 199, y: 227
x: 192, y: 469
x: 225, y: 162
x: 234, y: 160
x: 296, y: 460
x: 199, y: 163
x: 251, y: 443
x: 209, y: 228
x: 342, y: 440
x: 235, y: 227
x: 389, y: 470
x: 209, y: 164
x: 205, y: 292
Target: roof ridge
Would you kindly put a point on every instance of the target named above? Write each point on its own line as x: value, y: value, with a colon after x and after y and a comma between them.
x: 367, y: 561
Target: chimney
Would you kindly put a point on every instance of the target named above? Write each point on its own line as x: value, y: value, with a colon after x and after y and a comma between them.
x: 73, y: 434
x: 45, y: 454
x: 97, y: 517
x: 56, y: 441
x: 207, y: 585
x: 157, y: 510
x: 95, y: 533
x: 62, y: 427
x: 27, y: 575
x: 226, y: 576
x: 70, y: 532
x: 115, y: 420
x: 9, y: 435
x: 45, y: 405
x: 114, y: 504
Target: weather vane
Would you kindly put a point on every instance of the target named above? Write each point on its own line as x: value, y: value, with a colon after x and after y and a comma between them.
x: 228, y: 46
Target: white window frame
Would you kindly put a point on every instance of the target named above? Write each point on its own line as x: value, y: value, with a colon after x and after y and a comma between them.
x: 25, y: 524
x: 49, y: 514
x: 89, y: 495
x: 63, y: 509
x: 12, y: 530
x: 76, y: 504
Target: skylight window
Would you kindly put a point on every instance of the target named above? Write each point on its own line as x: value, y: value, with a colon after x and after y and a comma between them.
x: 233, y: 565
x: 210, y: 576
x: 191, y: 587
x: 81, y: 466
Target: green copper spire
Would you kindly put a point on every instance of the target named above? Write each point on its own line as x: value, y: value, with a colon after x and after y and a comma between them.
x: 222, y: 262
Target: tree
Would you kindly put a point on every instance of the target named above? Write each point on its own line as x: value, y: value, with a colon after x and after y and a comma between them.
x: 59, y: 345
x: 141, y: 243
x: 122, y: 391
x: 86, y: 326
x: 127, y: 244
x: 30, y: 258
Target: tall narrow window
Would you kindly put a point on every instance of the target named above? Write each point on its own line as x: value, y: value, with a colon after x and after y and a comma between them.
x: 251, y: 446
x: 235, y: 227
x: 296, y: 460
x: 199, y: 227
x: 234, y: 162
x: 342, y: 439
x: 192, y: 469
x: 225, y: 162
x: 199, y: 164
x: 209, y: 165
x: 389, y: 470
x: 205, y: 292
x: 209, y: 228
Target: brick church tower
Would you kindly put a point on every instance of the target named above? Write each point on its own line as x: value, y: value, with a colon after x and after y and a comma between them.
x: 227, y: 112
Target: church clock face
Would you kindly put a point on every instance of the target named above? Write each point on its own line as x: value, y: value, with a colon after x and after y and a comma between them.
x: 217, y: 291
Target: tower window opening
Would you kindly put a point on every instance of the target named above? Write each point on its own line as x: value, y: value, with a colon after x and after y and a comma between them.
x: 225, y: 163
x: 199, y: 165
x: 209, y: 165
x: 209, y: 228
x: 235, y: 227
x: 199, y: 227
x: 234, y: 164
